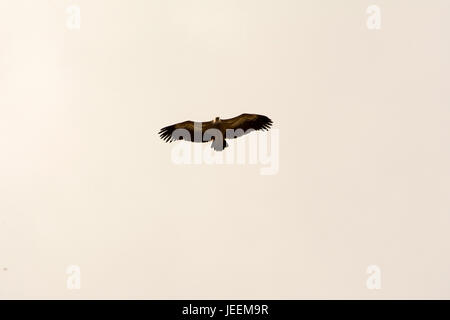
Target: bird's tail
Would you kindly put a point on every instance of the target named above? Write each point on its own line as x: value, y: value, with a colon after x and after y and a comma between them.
x: 219, y: 145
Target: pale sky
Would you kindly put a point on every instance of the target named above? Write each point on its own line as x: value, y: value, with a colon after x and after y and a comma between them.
x: 362, y: 117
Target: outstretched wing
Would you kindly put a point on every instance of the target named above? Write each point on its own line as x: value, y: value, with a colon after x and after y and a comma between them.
x: 245, y: 123
x: 187, y: 130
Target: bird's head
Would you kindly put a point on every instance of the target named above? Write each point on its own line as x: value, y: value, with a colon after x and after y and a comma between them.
x: 217, y: 119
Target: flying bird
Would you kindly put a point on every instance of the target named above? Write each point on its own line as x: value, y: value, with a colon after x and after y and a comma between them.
x: 216, y: 130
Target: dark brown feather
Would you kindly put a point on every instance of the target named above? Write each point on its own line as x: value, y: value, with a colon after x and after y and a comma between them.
x: 247, y: 123
x: 190, y: 130
x: 187, y: 129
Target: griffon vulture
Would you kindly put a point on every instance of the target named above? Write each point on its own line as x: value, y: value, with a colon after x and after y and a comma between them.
x: 216, y: 130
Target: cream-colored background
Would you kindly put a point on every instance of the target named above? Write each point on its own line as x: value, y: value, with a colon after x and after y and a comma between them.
x: 364, y: 120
